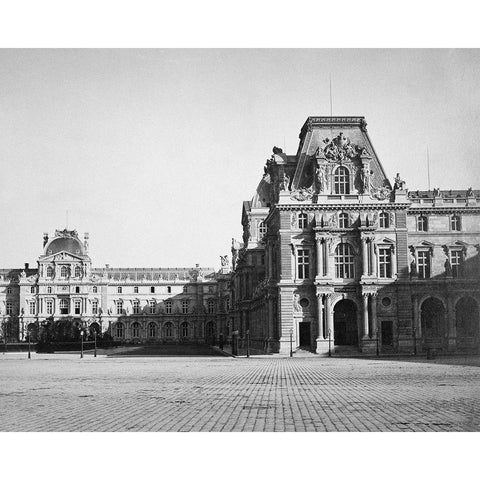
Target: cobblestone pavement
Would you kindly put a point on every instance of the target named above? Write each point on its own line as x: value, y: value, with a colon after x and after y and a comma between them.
x: 65, y: 393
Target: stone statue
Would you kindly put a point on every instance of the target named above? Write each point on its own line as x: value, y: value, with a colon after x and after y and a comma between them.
x: 399, y: 184
x: 224, y: 260
x: 321, y: 177
x: 296, y: 303
x: 366, y: 173
x: 413, y: 268
x: 286, y: 182
x: 448, y: 268
x: 470, y: 192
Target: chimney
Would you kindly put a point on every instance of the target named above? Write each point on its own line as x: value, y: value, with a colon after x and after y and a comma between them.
x: 197, y: 265
x: 45, y: 239
x: 26, y: 266
x: 107, y: 266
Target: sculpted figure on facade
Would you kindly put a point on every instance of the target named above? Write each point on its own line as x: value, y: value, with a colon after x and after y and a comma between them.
x: 224, y: 260
x: 296, y: 303
x: 366, y: 175
x: 321, y: 178
x: 399, y: 184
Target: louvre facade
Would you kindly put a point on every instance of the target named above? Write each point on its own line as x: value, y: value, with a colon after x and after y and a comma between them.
x: 136, y: 305
x: 335, y: 257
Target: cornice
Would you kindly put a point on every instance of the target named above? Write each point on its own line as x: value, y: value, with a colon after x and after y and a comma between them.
x: 343, y: 206
x: 442, y: 210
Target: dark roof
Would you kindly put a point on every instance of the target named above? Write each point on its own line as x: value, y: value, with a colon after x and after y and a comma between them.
x: 65, y: 244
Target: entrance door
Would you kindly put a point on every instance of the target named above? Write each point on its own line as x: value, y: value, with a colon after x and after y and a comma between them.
x: 304, y: 334
x: 345, y: 323
x: 387, y: 333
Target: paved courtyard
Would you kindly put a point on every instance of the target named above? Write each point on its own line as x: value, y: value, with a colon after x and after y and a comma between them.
x: 65, y: 393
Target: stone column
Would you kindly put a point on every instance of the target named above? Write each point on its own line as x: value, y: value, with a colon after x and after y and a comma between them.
x: 364, y: 257
x: 373, y: 259
x: 451, y: 325
x: 326, y: 265
x: 373, y: 300
x: 393, y: 258
x: 365, y: 315
x: 319, y: 257
x: 321, y: 333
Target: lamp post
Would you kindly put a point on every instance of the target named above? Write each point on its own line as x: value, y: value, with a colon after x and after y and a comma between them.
x: 329, y: 342
x: 95, y: 340
x: 414, y: 340
x: 248, y: 343
x: 291, y: 342
x: 29, y: 354
x: 81, y: 340
x: 378, y: 350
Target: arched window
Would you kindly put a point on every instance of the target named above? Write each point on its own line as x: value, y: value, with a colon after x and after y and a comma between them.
x: 422, y: 223
x: 341, y: 181
x: 343, y: 220
x: 262, y: 230
x: 135, y: 330
x: 455, y: 224
x: 119, y: 329
x: 94, y: 289
x: 184, y: 329
x: 211, y: 305
x: 152, y: 330
x: 63, y: 306
x: 384, y: 220
x: 210, y: 329
x: 344, y: 261
x: 78, y: 271
x: 168, y: 328
x: 49, y: 271
x: 64, y: 271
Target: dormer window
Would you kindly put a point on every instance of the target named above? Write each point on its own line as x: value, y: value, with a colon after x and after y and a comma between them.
x: 341, y: 181
x: 262, y: 230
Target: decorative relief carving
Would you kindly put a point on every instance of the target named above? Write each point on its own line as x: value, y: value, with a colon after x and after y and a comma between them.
x: 340, y: 149
x: 302, y: 194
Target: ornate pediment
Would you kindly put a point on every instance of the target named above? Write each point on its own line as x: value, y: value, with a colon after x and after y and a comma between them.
x: 66, y: 233
x: 62, y: 257
x: 340, y: 149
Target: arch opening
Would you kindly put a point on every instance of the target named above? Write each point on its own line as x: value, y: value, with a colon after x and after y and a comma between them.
x: 345, y: 323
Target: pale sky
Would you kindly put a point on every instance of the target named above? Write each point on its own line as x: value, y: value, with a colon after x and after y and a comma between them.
x: 153, y: 151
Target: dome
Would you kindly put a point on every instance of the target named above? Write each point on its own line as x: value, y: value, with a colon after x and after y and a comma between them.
x: 65, y: 244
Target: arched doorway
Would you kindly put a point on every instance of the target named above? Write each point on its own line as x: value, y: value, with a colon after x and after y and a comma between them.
x: 345, y: 323
x: 94, y: 329
x: 467, y: 322
x: 433, y: 321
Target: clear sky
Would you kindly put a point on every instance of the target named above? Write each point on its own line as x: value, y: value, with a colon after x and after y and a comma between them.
x: 153, y: 151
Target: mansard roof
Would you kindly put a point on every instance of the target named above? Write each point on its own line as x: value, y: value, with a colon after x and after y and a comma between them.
x: 154, y: 274
x: 65, y: 241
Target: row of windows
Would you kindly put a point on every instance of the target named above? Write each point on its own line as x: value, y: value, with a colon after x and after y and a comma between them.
x: 344, y: 260
x: 424, y: 263
x: 455, y: 223
x: 119, y: 289
x: 168, y: 329
x: 211, y: 307
x: 65, y: 271
x: 344, y: 220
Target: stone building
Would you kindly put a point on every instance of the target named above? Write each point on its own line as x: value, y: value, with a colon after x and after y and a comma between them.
x: 335, y: 257
x: 131, y: 304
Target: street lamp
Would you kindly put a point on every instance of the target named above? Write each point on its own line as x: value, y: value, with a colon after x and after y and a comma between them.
x: 291, y: 342
x: 378, y: 350
x: 28, y: 334
x: 248, y: 343
x: 81, y: 340
x: 329, y: 342
x: 95, y: 340
x: 414, y: 340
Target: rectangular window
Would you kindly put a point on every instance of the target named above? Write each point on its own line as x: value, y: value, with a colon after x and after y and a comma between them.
x: 302, y: 221
x: 456, y: 259
x: 135, y: 289
x: 94, y: 307
x: 32, y: 289
x: 385, y: 262
x: 77, y: 305
x: 119, y: 305
x: 94, y: 289
x: 9, y: 289
x: 49, y: 307
x: 77, y: 289
x: 151, y: 306
x: 303, y: 263
x: 152, y: 289
x: 423, y: 264
x: 169, y: 289
x: 9, y: 308
x: 32, y: 308
x: 168, y: 306
x: 119, y: 289
x: 184, y: 306
x: 136, y: 307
